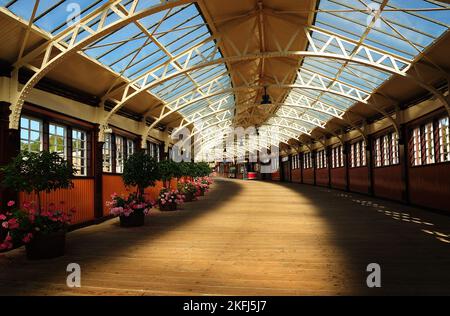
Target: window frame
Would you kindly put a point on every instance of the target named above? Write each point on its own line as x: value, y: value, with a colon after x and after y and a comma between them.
x: 29, y: 130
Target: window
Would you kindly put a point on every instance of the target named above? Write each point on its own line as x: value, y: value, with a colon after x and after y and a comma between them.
x: 130, y: 147
x: 119, y: 153
x: 275, y: 164
x: 307, y: 160
x: 430, y: 143
x: 363, y: 154
x: 358, y: 154
x: 321, y: 159
x: 416, y: 148
x: 444, y: 139
x: 157, y: 153
x: 337, y: 157
x: 30, y: 135
x: 57, y: 140
x: 395, y: 159
x: 79, y: 152
x: 352, y: 156
x: 107, y: 154
x: 295, y: 161
x: 378, y: 152
x: 70, y: 143
x: 386, y: 150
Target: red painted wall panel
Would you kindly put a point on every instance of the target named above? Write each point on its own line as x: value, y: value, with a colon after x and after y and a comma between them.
x: 322, y: 177
x: 359, y: 179
x: 296, y: 175
x: 113, y: 184
x: 276, y: 176
x: 430, y: 186
x: 308, y: 176
x: 387, y: 182
x: 81, y: 198
x: 338, y: 180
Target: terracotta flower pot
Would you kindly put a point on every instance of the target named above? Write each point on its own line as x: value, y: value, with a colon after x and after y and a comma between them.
x: 136, y: 219
x: 168, y: 207
x: 188, y: 197
x: 46, y: 246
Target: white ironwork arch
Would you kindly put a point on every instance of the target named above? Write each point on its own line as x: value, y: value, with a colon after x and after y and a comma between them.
x: 69, y: 41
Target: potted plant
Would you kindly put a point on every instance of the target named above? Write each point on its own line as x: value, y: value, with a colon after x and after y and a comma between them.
x: 45, y: 228
x: 131, y: 209
x: 168, y: 200
x: 202, y: 186
x: 42, y: 231
x: 188, y: 189
x: 166, y: 171
x: 140, y: 171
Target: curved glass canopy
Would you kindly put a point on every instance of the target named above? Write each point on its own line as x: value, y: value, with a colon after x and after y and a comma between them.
x: 353, y: 47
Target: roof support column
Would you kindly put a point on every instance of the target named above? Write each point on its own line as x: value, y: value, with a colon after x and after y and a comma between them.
x: 345, y: 152
x: 404, y: 162
x: 369, y: 162
x: 9, y: 138
x: 328, y: 157
x: 97, y: 171
x: 314, y: 165
x: 9, y: 149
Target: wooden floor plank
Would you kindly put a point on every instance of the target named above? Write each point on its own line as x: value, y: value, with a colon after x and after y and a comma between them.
x: 251, y: 238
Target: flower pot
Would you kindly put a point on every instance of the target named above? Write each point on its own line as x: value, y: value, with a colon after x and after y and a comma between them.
x: 168, y: 207
x: 46, y: 246
x: 202, y: 193
x: 188, y: 197
x: 136, y: 219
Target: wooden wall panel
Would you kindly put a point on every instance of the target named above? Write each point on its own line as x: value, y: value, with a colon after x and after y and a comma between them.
x: 297, y: 175
x: 387, y: 182
x: 322, y: 177
x: 308, y: 176
x: 152, y: 192
x: 430, y: 186
x: 359, y: 179
x: 112, y: 183
x: 81, y: 198
x: 338, y: 178
x: 276, y: 175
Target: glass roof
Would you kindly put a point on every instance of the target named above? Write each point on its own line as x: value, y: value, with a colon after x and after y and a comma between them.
x: 404, y: 29
x: 147, y: 45
x: 180, y: 36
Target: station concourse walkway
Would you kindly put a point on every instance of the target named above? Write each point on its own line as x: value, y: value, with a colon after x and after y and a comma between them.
x: 251, y: 238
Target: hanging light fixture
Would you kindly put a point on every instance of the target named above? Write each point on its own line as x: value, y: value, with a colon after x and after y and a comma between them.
x: 265, y: 98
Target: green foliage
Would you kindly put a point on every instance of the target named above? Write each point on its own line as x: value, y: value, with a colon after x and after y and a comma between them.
x: 38, y: 172
x: 166, y: 170
x: 178, y: 169
x: 203, y: 169
x: 140, y: 170
x: 191, y: 169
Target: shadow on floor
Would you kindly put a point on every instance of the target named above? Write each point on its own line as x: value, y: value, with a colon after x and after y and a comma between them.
x: 18, y: 276
x: 410, y: 244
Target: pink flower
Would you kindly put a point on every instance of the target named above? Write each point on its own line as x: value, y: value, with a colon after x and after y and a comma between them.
x: 13, y: 223
x: 5, y: 225
x: 2, y: 217
x: 27, y: 238
x: 11, y: 203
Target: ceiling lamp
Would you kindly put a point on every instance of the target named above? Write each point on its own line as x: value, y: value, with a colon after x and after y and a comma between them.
x: 266, y: 97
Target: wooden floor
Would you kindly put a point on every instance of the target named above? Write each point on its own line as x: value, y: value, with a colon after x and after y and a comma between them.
x: 251, y: 238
